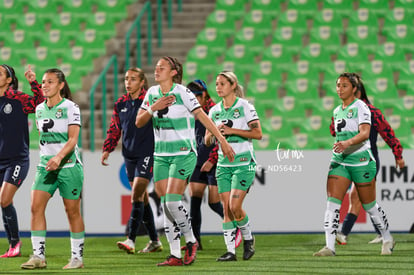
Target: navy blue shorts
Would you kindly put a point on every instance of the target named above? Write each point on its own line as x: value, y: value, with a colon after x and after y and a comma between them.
x: 204, y: 177
x: 139, y: 167
x: 14, y: 172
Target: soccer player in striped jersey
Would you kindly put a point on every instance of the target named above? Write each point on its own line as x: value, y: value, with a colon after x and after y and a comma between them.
x: 352, y: 161
x: 14, y: 149
x: 137, y: 150
x: 58, y: 121
x: 172, y: 108
x: 238, y: 122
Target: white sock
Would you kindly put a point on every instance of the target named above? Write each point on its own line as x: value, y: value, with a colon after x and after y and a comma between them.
x: 331, y: 224
x: 181, y: 217
x: 172, y: 232
x: 77, y: 248
x: 380, y: 219
x: 39, y: 246
x: 229, y: 232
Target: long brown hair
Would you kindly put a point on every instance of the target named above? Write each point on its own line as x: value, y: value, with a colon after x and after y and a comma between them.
x: 65, y: 92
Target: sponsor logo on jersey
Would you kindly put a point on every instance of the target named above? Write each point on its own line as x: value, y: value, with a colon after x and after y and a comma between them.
x: 8, y: 108
x: 362, y: 159
x: 124, y: 110
x: 244, y: 159
x: 183, y: 148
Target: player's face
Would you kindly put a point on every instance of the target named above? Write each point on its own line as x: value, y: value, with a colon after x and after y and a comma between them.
x: 133, y: 83
x: 344, y: 89
x: 163, y: 71
x: 51, y: 86
x: 223, y: 86
x: 4, y: 80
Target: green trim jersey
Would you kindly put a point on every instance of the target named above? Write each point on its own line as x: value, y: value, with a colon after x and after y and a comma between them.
x: 347, y: 123
x: 53, y: 124
x: 237, y: 116
x: 174, y: 132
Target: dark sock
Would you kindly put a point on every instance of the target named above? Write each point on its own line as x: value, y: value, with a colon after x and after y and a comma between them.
x: 218, y: 208
x: 135, y: 219
x: 10, y: 218
x: 375, y: 227
x: 349, y: 222
x: 6, y: 226
x: 148, y: 221
x: 195, y: 213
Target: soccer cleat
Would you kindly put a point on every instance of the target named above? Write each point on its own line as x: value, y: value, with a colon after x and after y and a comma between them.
x: 239, y: 237
x: 152, y: 246
x: 34, y: 262
x: 248, y: 248
x: 341, y: 238
x: 190, y: 253
x: 387, y: 247
x: 171, y: 261
x: 199, y: 247
x: 324, y: 252
x: 5, y: 255
x: 377, y: 239
x: 227, y: 257
x: 127, y: 245
x: 74, y: 263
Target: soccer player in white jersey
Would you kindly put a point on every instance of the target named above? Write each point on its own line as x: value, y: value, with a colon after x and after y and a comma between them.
x: 352, y: 161
x: 238, y: 122
x: 58, y: 121
x: 172, y: 108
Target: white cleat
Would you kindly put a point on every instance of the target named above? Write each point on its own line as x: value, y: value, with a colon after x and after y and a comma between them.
x: 378, y: 239
x: 324, y: 252
x: 341, y: 238
x: 387, y: 247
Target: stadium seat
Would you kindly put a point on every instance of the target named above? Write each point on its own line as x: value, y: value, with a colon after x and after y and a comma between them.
x: 8, y: 56
x: 214, y: 39
x: 307, y: 8
x: 292, y: 110
x: 377, y: 7
x: 328, y: 17
x: 19, y: 41
x: 103, y: 23
x: 278, y: 54
x: 402, y: 36
x: 250, y: 38
x: 343, y: 7
x: 116, y: 8
x: 405, y: 77
x: 92, y: 42
x: 316, y: 54
x: 363, y: 17
x: 223, y: 21
x: 330, y: 75
x: 40, y: 59
x: 328, y: 37
x: 270, y: 7
x: 407, y: 5
x: 56, y: 41
x: 365, y: 36
x: 239, y: 59
x: 356, y: 59
x: 81, y: 9
x: 236, y: 9
x: 195, y: 70
x: 380, y: 83
x: 12, y: 11
x: 68, y: 24
x: 32, y: 25
x: 292, y: 18
x: 263, y: 91
x: 269, y: 70
x: 392, y: 55
x: 288, y: 39
x: 44, y: 9
x: 76, y: 62
x: 260, y: 21
x: 201, y: 61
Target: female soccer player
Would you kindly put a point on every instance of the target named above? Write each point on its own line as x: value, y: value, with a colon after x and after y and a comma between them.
x: 172, y: 108
x: 58, y: 121
x: 137, y: 150
x: 379, y: 126
x: 238, y: 122
x: 352, y: 161
x: 14, y: 149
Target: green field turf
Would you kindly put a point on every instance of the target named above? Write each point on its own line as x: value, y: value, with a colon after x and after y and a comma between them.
x: 275, y: 254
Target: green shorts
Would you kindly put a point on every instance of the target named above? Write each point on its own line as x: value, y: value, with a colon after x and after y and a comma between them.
x: 239, y: 177
x: 357, y: 174
x: 179, y: 167
x: 68, y: 180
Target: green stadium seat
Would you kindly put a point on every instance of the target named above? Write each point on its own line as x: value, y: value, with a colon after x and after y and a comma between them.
x: 260, y: 21
x: 365, y: 36
x: 262, y: 90
x: 33, y: 132
x: 380, y: 84
x: 316, y: 54
x: 103, y: 23
x: 326, y: 36
x: 40, y: 57
x: 278, y: 54
x: 8, y: 56
x: 330, y: 75
x: 405, y: 77
x: 81, y: 9
x: 303, y: 89
x: 288, y: 39
x: 32, y: 25
x: 56, y: 42
x: 402, y: 36
x: 251, y: 38
x: 205, y: 58
x: 92, y: 42
x: 269, y: 70
x: 356, y: 59
x: 12, y: 10
x: 195, y: 70
x: 239, y: 59
x: 363, y: 17
x: 378, y: 7
x: 392, y: 55
x: 116, y: 8
x: 407, y: 5
x: 236, y: 9
x: 20, y: 42
x: 269, y: 7
x: 292, y: 110
x: 223, y: 21
x: 328, y: 18
x: 214, y: 39
x: 307, y: 8
x: 44, y: 9
x: 343, y: 7
x: 68, y: 24
x: 292, y: 18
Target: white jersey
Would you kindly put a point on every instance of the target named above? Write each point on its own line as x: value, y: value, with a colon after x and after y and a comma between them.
x: 173, y: 126
x: 347, y: 123
x: 238, y: 116
x: 53, y: 124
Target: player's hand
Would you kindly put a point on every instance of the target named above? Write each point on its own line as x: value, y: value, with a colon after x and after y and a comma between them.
x: 163, y: 103
x: 207, y: 166
x: 29, y: 74
x: 400, y: 163
x: 104, y: 157
x: 53, y: 163
x: 227, y: 150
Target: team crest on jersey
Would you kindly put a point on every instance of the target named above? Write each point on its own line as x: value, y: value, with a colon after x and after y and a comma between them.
x: 59, y: 113
x: 350, y: 114
x: 216, y: 116
x: 8, y: 108
x: 236, y: 113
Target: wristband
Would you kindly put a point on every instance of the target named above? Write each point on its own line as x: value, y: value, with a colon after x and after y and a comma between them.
x: 150, y: 111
